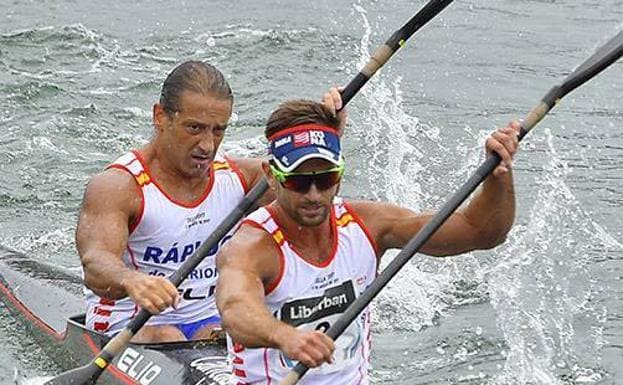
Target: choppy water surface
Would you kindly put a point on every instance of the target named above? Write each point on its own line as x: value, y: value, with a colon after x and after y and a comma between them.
x: 77, y: 82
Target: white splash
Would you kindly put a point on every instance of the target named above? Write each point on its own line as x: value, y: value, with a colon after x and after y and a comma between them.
x: 385, y: 135
x: 542, y: 289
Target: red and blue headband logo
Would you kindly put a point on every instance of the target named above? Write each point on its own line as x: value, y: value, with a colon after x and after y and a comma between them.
x: 293, y: 146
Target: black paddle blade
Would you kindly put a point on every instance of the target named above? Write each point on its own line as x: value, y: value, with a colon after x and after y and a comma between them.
x: 84, y: 375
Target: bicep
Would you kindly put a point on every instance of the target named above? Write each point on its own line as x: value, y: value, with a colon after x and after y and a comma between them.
x: 239, y: 287
x: 246, y: 265
x: 398, y: 225
x: 103, y: 223
x: 101, y: 231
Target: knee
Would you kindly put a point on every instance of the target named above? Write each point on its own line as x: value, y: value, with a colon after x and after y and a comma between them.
x: 159, y: 333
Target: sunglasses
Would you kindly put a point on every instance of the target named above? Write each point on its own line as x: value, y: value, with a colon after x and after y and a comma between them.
x: 301, y: 181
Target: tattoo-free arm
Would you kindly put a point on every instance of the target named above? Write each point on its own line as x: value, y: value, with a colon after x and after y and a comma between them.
x: 109, y: 203
x: 247, y: 264
x: 482, y: 224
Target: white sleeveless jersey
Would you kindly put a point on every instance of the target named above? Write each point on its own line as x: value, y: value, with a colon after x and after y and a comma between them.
x: 165, y: 235
x: 311, y: 297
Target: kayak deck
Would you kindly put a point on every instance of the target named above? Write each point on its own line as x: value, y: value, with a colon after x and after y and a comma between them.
x: 41, y: 297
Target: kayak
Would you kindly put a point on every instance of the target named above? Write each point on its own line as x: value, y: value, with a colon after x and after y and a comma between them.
x: 49, y: 302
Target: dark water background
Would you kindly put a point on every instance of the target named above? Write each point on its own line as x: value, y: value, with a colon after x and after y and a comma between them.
x: 78, y: 79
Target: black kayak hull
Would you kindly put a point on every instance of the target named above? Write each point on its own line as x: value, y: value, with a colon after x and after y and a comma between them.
x: 41, y: 297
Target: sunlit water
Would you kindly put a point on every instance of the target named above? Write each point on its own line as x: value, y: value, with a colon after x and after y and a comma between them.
x: 78, y: 81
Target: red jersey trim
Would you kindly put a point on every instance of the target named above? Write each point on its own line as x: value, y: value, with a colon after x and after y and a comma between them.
x: 236, y: 169
x: 189, y: 205
x: 282, y: 259
x: 357, y: 219
x: 103, y: 312
x: 139, y: 188
x: 266, y: 371
x: 106, y: 301
x: 133, y: 259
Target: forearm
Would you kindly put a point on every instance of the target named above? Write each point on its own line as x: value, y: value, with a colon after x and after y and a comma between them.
x: 492, y: 210
x: 252, y: 327
x: 106, y: 275
x: 247, y: 319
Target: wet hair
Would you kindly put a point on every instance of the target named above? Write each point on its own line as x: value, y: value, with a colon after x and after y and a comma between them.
x: 295, y: 112
x: 193, y: 76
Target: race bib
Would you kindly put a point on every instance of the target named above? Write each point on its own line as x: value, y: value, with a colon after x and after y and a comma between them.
x: 319, y: 313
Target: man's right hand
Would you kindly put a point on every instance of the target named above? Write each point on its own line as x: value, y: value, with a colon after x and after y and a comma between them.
x: 153, y: 294
x: 311, y: 348
x: 333, y: 100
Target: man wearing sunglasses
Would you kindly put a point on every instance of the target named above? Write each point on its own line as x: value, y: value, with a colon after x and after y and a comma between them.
x: 295, y: 265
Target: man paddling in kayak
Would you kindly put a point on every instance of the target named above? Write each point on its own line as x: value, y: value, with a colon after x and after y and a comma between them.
x: 295, y: 265
x: 152, y: 207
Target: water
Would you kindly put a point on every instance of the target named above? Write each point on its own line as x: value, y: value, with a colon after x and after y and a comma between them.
x: 77, y: 82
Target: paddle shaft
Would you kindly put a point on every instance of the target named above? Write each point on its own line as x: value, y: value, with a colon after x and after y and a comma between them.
x: 606, y: 55
x: 221, y: 231
x: 397, y: 40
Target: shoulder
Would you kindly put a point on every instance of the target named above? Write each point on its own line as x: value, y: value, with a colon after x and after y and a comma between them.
x: 112, y: 180
x: 371, y: 212
x: 248, y: 243
x: 251, y: 248
x: 382, y: 218
x: 251, y: 168
x: 113, y: 188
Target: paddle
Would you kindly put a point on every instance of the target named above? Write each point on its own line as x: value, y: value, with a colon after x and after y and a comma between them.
x: 606, y: 55
x: 89, y: 373
x: 397, y: 40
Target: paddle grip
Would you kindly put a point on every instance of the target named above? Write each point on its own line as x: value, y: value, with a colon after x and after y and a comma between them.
x: 377, y: 60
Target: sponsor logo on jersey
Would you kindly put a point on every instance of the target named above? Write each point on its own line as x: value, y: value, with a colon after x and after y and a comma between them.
x: 196, y: 274
x: 197, y: 219
x: 335, y: 300
x: 178, y: 253
x: 324, y: 281
x: 193, y: 294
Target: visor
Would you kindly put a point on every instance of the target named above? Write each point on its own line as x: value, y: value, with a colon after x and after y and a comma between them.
x: 293, y: 146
